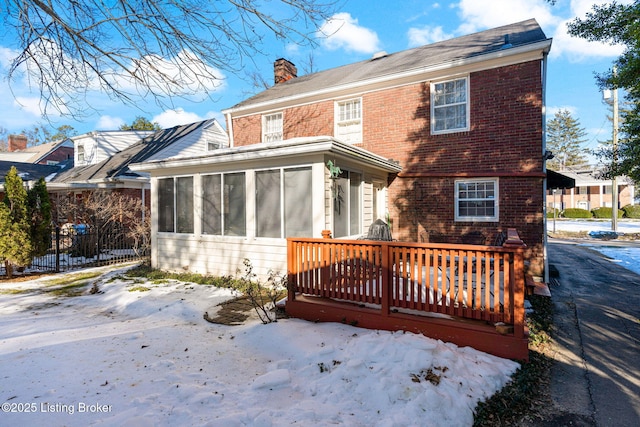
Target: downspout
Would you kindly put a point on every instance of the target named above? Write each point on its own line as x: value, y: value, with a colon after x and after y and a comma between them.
x: 230, y: 130
x: 544, y: 167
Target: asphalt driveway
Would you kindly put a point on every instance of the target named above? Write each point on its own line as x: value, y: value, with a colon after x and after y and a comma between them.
x: 596, y: 377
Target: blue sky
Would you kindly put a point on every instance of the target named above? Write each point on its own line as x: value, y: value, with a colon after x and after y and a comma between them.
x: 359, y: 29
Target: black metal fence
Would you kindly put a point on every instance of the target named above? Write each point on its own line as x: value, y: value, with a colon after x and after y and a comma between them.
x: 79, y: 246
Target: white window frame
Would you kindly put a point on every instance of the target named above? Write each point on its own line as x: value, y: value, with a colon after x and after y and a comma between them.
x: 495, y: 199
x: 351, y: 122
x: 272, y: 132
x: 80, y: 153
x: 434, y: 87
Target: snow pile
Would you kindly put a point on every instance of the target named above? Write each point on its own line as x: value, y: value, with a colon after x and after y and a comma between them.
x: 134, y: 358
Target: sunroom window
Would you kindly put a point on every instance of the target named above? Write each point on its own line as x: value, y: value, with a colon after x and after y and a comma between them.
x: 450, y: 106
x: 284, y: 203
x: 223, y: 204
x: 347, y: 204
x: 175, y: 204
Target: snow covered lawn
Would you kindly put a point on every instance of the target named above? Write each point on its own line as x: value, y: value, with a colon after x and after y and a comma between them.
x: 147, y: 358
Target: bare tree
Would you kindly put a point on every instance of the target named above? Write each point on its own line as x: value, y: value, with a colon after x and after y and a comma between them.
x: 111, y: 214
x: 136, y: 48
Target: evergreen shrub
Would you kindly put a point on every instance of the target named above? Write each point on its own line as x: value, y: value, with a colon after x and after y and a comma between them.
x: 576, y: 213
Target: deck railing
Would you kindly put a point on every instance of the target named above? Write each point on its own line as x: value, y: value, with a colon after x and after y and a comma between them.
x: 464, y: 281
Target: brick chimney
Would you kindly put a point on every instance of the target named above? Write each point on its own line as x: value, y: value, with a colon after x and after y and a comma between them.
x: 17, y: 142
x: 284, y: 70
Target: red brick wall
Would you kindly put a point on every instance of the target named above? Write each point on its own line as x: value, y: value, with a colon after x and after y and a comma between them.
x: 58, y: 155
x: 504, y: 141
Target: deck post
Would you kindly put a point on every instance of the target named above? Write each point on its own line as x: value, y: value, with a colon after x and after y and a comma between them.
x: 386, y: 280
x: 292, y: 271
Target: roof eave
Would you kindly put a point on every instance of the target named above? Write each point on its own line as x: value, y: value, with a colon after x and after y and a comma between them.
x: 492, y: 59
x: 288, y: 148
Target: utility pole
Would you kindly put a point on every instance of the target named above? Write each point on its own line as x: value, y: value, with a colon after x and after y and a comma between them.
x: 614, y: 180
x: 614, y: 160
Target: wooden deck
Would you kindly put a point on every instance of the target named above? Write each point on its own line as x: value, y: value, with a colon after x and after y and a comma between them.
x: 466, y: 294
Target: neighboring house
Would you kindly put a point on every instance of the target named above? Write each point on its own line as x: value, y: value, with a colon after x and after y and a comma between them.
x: 94, y: 147
x: 590, y: 192
x: 29, y: 172
x: 440, y: 141
x: 113, y: 173
x: 50, y: 153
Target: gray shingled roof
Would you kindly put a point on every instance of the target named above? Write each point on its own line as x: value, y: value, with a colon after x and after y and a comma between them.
x: 117, y: 166
x: 28, y: 171
x: 519, y: 34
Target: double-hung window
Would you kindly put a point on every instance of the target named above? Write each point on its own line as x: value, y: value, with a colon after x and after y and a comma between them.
x: 272, y: 127
x: 450, y: 106
x: 223, y: 204
x: 175, y: 204
x: 476, y: 200
x: 349, y: 121
x: 284, y: 203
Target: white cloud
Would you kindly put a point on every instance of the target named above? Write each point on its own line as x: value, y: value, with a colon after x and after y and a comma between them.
x: 109, y: 123
x: 176, y: 117
x: 553, y: 19
x: 426, y: 35
x: 479, y: 15
x: 187, y: 74
x: 577, y: 49
x: 342, y: 31
x: 30, y: 105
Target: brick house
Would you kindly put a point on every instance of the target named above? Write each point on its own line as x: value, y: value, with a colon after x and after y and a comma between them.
x: 441, y: 141
x: 590, y: 192
x: 50, y: 153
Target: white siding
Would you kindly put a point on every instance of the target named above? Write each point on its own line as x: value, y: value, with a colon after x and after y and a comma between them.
x: 195, y: 143
x: 99, y: 146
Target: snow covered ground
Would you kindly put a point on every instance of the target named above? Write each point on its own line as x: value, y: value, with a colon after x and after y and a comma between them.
x: 627, y: 255
x: 147, y: 358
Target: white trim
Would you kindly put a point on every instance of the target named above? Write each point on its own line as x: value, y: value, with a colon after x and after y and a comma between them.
x: 287, y: 148
x: 496, y: 201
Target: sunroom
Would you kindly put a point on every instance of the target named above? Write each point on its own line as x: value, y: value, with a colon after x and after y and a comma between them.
x: 210, y: 213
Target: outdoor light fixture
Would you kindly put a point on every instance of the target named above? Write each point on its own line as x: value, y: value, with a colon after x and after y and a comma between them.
x: 548, y: 155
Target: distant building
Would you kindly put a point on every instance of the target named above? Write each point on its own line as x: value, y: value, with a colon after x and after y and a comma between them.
x: 590, y: 192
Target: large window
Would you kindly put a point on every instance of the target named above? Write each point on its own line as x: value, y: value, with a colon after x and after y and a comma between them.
x: 347, y: 205
x: 349, y: 121
x: 450, y: 106
x: 476, y: 200
x: 272, y: 127
x: 223, y: 204
x: 175, y: 204
x: 284, y: 203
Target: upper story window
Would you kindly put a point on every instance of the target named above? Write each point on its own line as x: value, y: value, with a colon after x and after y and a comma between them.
x: 80, y: 151
x: 349, y: 121
x: 476, y: 200
x: 450, y: 106
x: 272, y: 127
